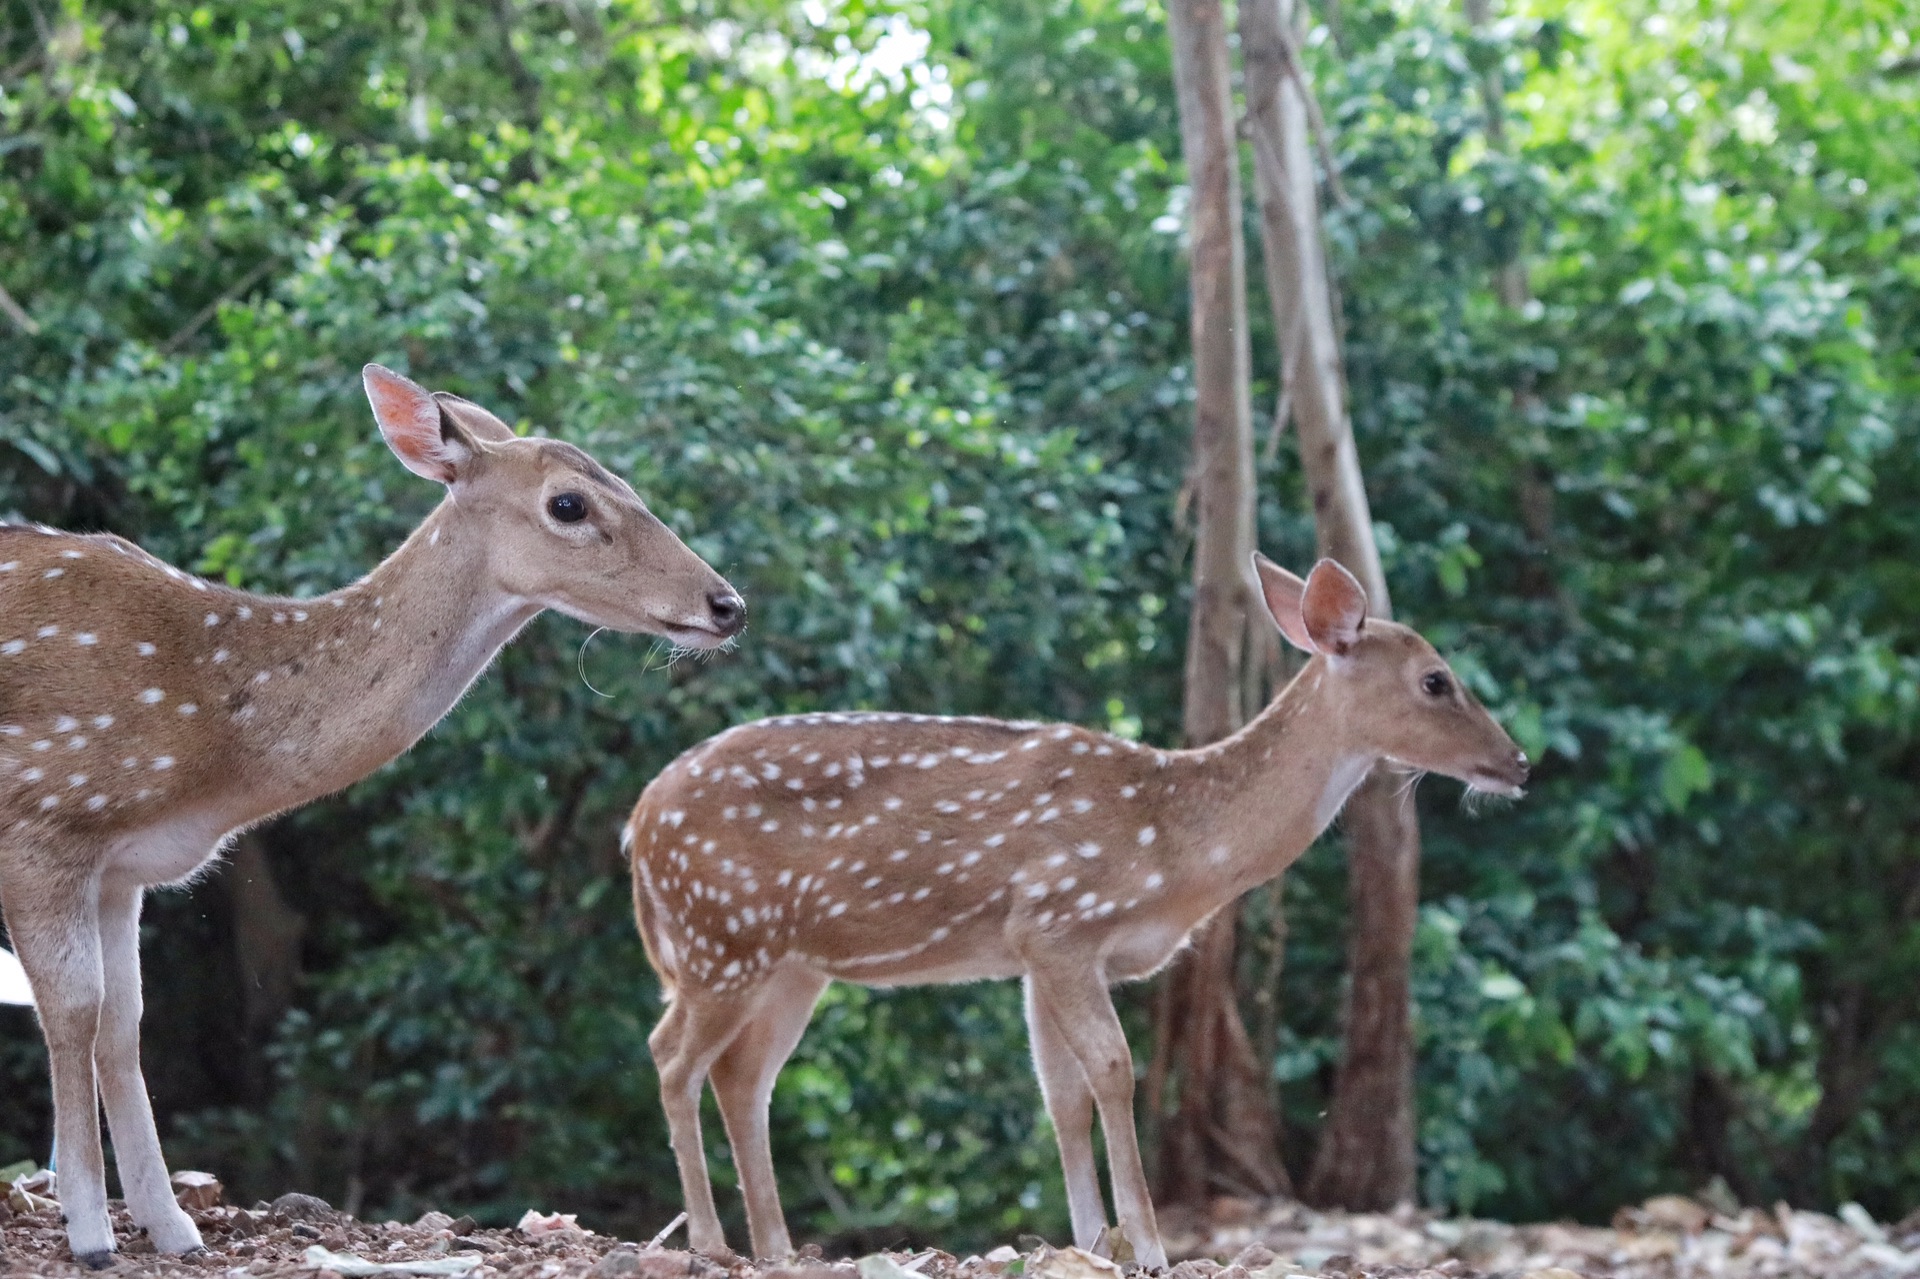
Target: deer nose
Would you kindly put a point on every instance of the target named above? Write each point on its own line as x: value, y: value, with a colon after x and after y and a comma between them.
x: 729, y: 612
x: 1521, y: 765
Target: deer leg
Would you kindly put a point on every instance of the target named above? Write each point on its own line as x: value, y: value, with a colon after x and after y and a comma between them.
x: 1070, y: 1106
x: 743, y: 1079
x: 1075, y: 997
x: 57, y: 940
x: 116, y: 1056
x: 684, y: 1046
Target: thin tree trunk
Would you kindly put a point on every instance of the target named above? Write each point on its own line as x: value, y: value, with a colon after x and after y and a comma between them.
x: 1223, y: 1134
x: 1512, y: 287
x: 267, y: 935
x: 1366, y: 1155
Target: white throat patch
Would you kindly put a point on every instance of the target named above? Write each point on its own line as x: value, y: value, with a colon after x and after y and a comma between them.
x: 1348, y: 772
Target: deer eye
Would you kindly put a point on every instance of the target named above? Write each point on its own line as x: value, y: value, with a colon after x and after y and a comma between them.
x: 1436, y: 684
x: 568, y: 508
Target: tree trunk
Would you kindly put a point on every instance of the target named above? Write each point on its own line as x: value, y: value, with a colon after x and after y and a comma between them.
x: 1223, y: 1134
x: 1535, y: 488
x: 1366, y: 1154
x: 267, y: 935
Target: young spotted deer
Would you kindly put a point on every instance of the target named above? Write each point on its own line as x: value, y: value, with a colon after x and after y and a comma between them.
x: 146, y: 715
x: 896, y: 849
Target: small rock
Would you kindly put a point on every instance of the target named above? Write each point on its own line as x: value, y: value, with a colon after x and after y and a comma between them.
x: 1863, y: 1223
x: 298, y: 1207
x: 618, y: 1264
x: 1201, y: 1268
x: 1551, y: 1272
x: 1339, y: 1264
x: 1675, y: 1212
x: 433, y: 1222
x: 1719, y: 1196
x: 196, y: 1190
x: 1479, y: 1243
x: 1255, y: 1256
x: 665, y: 1263
x: 880, y: 1266
x: 1070, y: 1263
x: 802, y: 1271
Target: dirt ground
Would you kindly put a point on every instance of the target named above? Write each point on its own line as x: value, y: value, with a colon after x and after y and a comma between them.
x: 1666, y: 1238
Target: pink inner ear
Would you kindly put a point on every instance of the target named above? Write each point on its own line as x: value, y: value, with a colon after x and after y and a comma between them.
x: 410, y: 419
x: 1335, y: 607
x: 1283, y: 593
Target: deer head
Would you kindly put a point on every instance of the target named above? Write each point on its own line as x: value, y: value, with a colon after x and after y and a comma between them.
x: 1385, y: 687
x: 562, y: 531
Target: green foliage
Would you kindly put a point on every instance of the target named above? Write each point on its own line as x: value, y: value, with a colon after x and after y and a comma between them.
x: 883, y: 306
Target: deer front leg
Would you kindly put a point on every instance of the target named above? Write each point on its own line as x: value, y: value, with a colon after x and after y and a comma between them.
x: 1069, y: 1100
x: 685, y: 1045
x: 116, y: 1055
x: 743, y: 1078
x: 56, y: 936
x: 1074, y: 995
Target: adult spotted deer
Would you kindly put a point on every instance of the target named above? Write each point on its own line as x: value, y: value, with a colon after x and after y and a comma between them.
x: 895, y: 849
x: 146, y: 715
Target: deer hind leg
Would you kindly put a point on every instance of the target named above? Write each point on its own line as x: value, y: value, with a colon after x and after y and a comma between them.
x: 1069, y: 1101
x: 1072, y: 992
x: 743, y: 1078
x: 116, y: 1056
x: 696, y: 1030
x: 56, y: 934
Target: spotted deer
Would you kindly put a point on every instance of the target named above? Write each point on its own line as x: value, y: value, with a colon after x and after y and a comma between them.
x: 894, y: 849
x: 146, y: 715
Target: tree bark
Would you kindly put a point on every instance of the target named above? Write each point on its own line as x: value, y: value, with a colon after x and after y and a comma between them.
x: 267, y: 936
x: 1366, y: 1155
x: 1222, y: 1135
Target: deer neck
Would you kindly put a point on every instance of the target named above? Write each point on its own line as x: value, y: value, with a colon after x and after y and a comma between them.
x: 1258, y: 799
x: 379, y: 662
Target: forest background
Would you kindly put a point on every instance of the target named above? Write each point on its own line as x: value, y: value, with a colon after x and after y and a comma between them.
x: 884, y: 306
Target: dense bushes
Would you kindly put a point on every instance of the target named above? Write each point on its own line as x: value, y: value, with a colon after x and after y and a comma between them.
x: 884, y: 309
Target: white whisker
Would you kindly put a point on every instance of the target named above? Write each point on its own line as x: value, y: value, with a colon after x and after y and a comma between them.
x: 580, y: 664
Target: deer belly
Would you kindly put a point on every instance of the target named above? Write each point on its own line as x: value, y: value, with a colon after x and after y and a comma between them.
x: 936, y: 966
x: 169, y: 852
x: 1142, y: 950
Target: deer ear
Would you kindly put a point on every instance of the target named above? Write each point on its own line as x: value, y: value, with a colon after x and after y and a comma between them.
x: 1334, y: 608
x: 1283, y: 593
x: 478, y: 423
x: 415, y: 429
